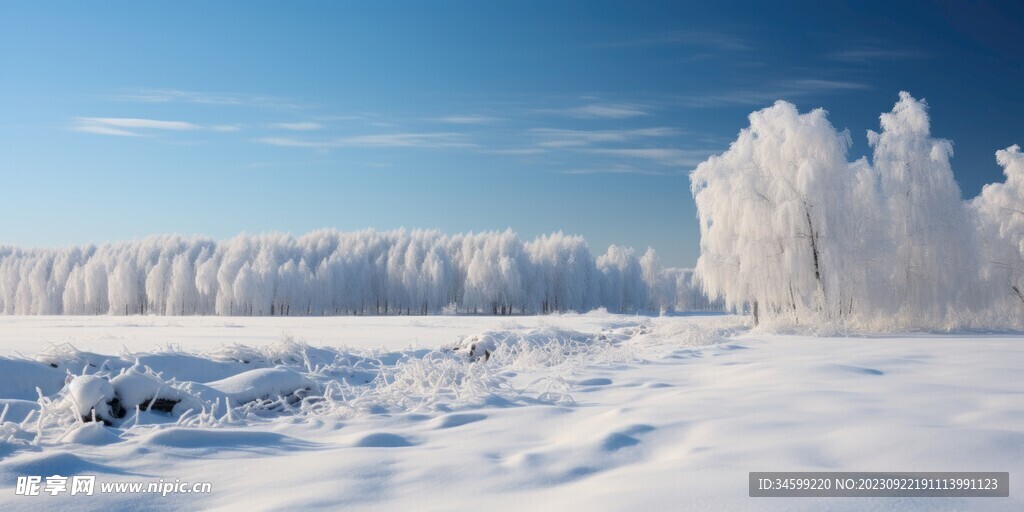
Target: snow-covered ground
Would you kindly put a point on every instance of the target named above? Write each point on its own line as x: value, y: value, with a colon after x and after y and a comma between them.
x: 566, y: 412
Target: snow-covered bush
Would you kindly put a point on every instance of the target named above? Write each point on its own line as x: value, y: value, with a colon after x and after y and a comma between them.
x: 93, y: 398
x: 140, y: 387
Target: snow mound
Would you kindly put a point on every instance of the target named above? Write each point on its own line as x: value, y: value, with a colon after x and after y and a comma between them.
x: 188, y: 438
x: 261, y: 384
x: 19, y: 379
x: 189, y: 367
x: 383, y: 440
x: 92, y: 434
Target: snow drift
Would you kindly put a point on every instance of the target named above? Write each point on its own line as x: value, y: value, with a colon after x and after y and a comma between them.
x: 798, y: 235
x: 337, y: 273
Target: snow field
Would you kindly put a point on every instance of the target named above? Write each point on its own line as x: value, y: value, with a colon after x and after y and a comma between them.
x: 575, y: 412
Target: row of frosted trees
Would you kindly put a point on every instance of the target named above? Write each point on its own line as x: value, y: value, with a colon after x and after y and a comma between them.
x: 796, y: 234
x: 341, y: 273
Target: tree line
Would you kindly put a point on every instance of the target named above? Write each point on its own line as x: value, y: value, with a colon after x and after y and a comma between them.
x: 329, y: 272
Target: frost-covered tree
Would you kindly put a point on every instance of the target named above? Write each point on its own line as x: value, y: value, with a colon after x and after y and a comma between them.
x: 125, y: 291
x: 769, y: 208
x: 623, y: 287
x: 932, y: 241
x: 793, y: 231
x: 999, y: 211
x: 660, y: 288
x: 182, y: 296
x: 567, y: 273
x: 157, y: 282
x: 687, y: 294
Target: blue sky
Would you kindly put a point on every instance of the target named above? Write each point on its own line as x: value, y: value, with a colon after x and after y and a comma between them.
x: 119, y: 120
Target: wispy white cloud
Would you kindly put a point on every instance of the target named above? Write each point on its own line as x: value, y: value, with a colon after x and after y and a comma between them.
x: 166, y: 95
x: 174, y: 95
x: 289, y: 142
x: 554, y: 137
x: 299, y: 126
x: 529, y: 151
x: 133, y: 122
x: 570, y: 150
x: 139, y: 127
x: 434, y: 140
x: 816, y: 84
x: 604, y: 111
x: 704, y: 38
x: 127, y: 126
x: 100, y: 129
x: 662, y: 156
x: 285, y: 164
x: 407, y: 140
x: 869, y: 50
x: 777, y: 90
x: 466, y: 119
x: 616, y: 169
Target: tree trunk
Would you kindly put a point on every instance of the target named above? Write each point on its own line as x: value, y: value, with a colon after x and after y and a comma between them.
x: 1017, y: 291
